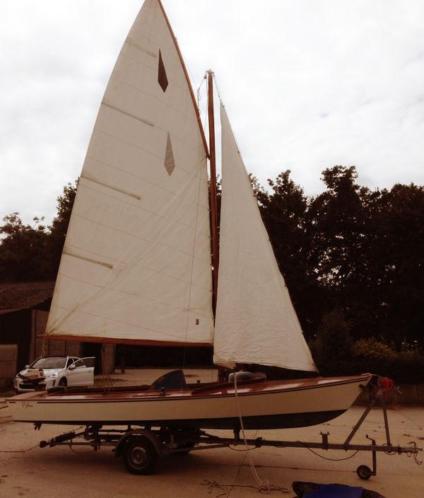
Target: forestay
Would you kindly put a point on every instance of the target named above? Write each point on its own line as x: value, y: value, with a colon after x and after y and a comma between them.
x: 136, y: 261
x: 255, y: 318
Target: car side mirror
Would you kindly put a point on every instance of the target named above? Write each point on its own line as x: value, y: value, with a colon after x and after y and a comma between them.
x: 26, y: 366
x: 71, y: 367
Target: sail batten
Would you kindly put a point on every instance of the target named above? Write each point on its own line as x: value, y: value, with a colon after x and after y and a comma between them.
x: 136, y: 261
x: 255, y: 319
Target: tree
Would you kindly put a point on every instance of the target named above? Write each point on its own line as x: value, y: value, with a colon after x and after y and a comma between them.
x: 333, y: 343
x: 396, y: 262
x: 351, y: 249
x: 284, y: 211
x: 60, y: 224
x: 29, y: 253
x: 337, y: 223
x: 23, y: 250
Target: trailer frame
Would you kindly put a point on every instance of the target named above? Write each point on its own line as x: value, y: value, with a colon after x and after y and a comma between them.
x: 143, y: 446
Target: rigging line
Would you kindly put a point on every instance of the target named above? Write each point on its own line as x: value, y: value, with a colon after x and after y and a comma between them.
x: 195, y: 234
x: 198, y: 96
x: 264, y: 486
x: 217, y: 87
x: 199, y: 88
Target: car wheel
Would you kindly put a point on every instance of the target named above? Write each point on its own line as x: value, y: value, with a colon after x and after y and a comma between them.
x: 63, y: 382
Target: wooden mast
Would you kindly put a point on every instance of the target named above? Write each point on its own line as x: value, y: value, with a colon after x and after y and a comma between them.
x: 213, y: 192
x: 213, y: 206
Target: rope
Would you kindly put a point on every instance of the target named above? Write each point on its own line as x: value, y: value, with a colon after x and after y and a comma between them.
x: 190, y: 289
x: 263, y: 486
x: 199, y: 88
x: 217, y: 87
x: 328, y: 458
x: 20, y: 451
x: 215, y: 485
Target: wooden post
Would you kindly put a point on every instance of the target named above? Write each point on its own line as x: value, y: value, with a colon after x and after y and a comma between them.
x: 213, y: 193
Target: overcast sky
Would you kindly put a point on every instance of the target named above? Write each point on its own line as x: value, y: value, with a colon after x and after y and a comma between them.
x: 307, y: 84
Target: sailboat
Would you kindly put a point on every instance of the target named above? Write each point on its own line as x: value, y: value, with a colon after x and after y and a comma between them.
x: 142, y: 263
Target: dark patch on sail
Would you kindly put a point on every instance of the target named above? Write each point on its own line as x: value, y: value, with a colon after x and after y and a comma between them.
x: 162, y: 78
x: 169, y: 162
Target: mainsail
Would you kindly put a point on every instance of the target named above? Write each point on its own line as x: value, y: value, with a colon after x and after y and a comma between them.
x: 255, y: 318
x: 136, y: 261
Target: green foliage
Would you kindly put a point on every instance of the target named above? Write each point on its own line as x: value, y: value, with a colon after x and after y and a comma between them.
x: 408, y: 367
x: 333, y: 343
x: 375, y: 356
x: 60, y: 223
x: 22, y: 245
x: 351, y: 248
x: 373, y: 349
x: 284, y: 211
x: 369, y: 355
x: 30, y: 253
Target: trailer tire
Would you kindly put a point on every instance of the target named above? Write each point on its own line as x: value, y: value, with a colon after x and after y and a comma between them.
x: 140, y: 457
x: 364, y: 472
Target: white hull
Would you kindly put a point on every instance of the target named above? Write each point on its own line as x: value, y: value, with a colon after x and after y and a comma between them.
x: 270, y: 404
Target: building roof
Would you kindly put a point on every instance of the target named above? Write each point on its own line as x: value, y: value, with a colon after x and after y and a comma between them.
x: 25, y: 295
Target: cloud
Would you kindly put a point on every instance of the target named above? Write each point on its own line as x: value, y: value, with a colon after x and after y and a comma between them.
x: 307, y: 84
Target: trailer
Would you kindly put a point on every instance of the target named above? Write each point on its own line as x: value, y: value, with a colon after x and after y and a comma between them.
x: 141, y: 447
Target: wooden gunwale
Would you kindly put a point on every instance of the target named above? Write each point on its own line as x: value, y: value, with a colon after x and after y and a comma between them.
x: 255, y: 389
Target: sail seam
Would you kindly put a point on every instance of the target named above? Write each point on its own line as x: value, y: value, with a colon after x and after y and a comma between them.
x: 176, y: 107
x: 113, y: 167
x: 116, y: 189
x: 155, y: 271
x: 129, y: 114
x: 156, y: 156
x: 133, y: 43
x: 136, y: 237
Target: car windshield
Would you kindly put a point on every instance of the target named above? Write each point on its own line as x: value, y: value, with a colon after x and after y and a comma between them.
x: 51, y: 362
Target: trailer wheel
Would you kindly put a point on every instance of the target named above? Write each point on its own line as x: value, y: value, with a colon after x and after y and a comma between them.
x: 139, y: 456
x: 364, y: 472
